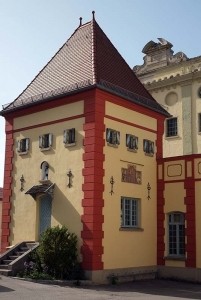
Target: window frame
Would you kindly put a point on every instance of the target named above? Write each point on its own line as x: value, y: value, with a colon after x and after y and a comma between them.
x: 130, y: 213
x: 112, y: 137
x: 131, y: 142
x: 171, y: 133
x: 69, y: 136
x: 148, y: 147
x: 176, y: 235
x: 45, y: 141
x: 23, y: 146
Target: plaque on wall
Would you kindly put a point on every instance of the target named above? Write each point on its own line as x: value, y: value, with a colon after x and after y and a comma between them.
x: 131, y: 175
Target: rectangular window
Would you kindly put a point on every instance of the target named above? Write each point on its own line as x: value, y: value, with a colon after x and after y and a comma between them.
x: 148, y: 147
x: 199, y: 122
x: 45, y: 141
x: 171, y: 127
x: 129, y: 212
x: 112, y: 137
x: 131, y: 142
x: 69, y: 137
x: 23, y: 146
x: 176, y: 234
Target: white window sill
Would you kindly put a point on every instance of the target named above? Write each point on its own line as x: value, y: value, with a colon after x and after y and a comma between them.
x: 149, y: 154
x: 132, y: 150
x: 130, y: 228
x: 45, y: 149
x: 113, y: 145
x: 175, y: 257
x: 23, y: 153
x: 175, y: 137
x: 69, y: 145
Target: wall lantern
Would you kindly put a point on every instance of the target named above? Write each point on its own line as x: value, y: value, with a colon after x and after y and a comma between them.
x: 22, y: 183
x: 70, y: 175
x: 148, y: 189
x: 112, y: 184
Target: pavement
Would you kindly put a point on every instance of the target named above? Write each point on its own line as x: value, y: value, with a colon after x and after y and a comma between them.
x: 12, y: 288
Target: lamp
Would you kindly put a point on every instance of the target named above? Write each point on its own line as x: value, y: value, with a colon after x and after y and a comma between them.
x: 112, y: 184
x: 22, y: 183
x: 148, y: 189
x: 69, y: 174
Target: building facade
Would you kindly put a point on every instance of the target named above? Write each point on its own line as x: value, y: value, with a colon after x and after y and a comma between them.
x: 174, y: 80
x: 81, y: 146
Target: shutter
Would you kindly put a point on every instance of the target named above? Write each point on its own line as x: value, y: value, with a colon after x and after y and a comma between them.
x: 118, y: 137
x: 19, y: 146
x: 152, y: 147
x: 73, y: 135
x: 50, y: 139
x: 27, y: 144
x: 65, y: 137
x: 108, y: 133
x: 128, y: 137
x: 145, y: 145
x: 136, y: 142
x: 41, y: 141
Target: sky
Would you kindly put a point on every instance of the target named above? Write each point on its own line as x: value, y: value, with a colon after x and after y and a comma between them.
x: 32, y: 31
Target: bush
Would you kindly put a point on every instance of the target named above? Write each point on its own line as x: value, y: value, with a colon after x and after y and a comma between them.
x: 58, y: 252
x: 56, y: 256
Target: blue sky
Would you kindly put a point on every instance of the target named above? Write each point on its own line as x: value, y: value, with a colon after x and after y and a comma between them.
x: 31, y: 31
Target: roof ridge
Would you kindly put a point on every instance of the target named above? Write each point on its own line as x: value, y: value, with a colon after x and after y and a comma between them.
x: 93, y: 51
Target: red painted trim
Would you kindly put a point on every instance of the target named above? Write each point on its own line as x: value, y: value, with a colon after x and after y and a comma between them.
x: 130, y: 124
x: 189, y: 185
x: 49, y: 123
x: 7, y: 192
x: 160, y: 222
x: 93, y: 172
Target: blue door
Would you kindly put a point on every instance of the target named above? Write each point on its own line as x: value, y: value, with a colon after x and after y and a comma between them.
x: 45, y: 213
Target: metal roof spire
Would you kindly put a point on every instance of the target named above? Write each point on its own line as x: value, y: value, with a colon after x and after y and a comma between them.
x: 93, y: 15
x: 80, y: 21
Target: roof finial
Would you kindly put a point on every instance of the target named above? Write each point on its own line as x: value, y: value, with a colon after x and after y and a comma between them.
x: 93, y: 13
x: 80, y: 21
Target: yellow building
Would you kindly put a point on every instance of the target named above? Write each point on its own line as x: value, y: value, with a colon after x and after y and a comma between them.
x: 81, y: 147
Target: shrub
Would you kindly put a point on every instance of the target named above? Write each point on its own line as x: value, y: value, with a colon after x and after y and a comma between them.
x: 58, y: 252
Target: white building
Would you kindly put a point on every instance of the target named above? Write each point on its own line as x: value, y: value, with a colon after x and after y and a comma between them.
x: 174, y: 81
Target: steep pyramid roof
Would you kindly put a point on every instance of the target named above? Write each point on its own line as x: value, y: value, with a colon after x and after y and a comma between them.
x: 87, y: 59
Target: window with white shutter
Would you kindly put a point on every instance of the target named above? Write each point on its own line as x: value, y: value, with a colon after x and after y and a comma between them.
x: 45, y: 141
x: 69, y: 137
x: 132, y: 142
x: 112, y: 137
x: 23, y: 146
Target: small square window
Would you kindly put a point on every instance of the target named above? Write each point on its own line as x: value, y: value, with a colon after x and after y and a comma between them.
x: 23, y: 146
x: 69, y: 137
x: 45, y: 141
x: 148, y: 147
x: 171, y: 127
x: 132, y: 142
x: 130, y: 212
x: 112, y: 137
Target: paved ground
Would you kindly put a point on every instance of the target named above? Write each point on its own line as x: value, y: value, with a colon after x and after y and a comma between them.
x: 11, y: 288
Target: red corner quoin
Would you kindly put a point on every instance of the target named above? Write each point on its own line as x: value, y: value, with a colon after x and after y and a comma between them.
x: 6, y: 205
x: 92, y: 219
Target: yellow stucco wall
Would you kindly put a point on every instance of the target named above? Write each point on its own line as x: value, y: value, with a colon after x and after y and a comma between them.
x: 123, y: 248
x: 198, y: 227
x: 66, y: 205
